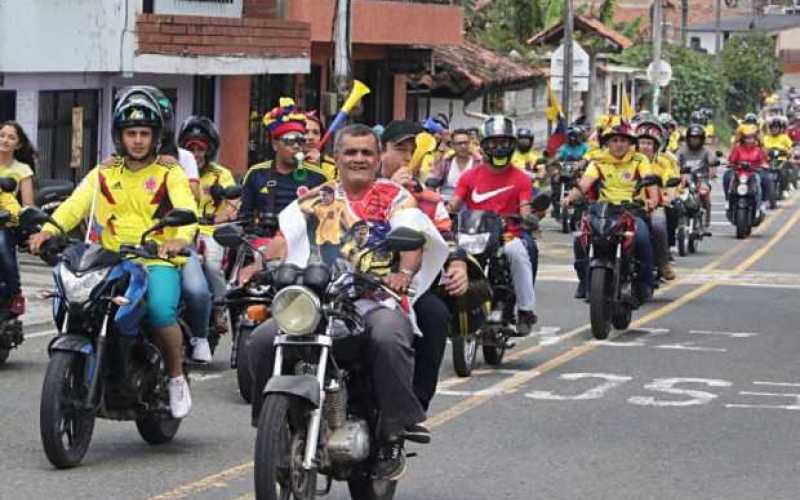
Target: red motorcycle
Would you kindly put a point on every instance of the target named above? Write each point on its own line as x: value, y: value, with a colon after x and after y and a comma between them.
x: 742, y: 208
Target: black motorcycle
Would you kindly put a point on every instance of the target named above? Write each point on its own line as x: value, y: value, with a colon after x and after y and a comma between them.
x: 10, y: 325
x: 484, y: 316
x: 103, y: 363
x: 742, y: 211
x: 319, y: 414
x: 569, y: 173
x: 608, y: 231
x: 689, y: 207
x: 775, y: 181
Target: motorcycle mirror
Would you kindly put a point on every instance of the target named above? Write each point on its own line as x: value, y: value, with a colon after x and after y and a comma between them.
x: 233, y: 192
x: 433, y: 183
x: 8, y: 185
x: 217, y: 192
x: 404, y: 239
x: 673, y: 182
x: 178, y: 217
x: 719, y: 154
x: 229, y: 235
x: 32, y: 216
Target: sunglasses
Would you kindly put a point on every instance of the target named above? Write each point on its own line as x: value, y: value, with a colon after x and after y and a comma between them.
x: 460, y: 143
x: 295, y: 140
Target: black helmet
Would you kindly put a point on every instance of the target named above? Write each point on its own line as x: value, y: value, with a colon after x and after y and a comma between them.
x: 574, y: 131
x: 136, y: 110
x: 498, y: 126
x: 698, y: 117
x: 158, y: 97
x: 200, y: 127
x: 751, y: 118
x: 524, y: 133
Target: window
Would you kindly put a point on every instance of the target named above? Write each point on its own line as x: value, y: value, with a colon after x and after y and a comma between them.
x: 204, y: 96
x: 694, y: 43
x: 54, y: 142
x: 493, y: 102
x: 8, y: 105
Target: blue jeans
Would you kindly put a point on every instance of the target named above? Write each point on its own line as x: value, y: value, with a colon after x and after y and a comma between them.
x: 196, y: 296
x: 762, y: 185
x: 642, y: 248
x: 9, y: 270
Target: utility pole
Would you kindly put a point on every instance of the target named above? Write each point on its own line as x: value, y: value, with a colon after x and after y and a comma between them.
x: 717, y: 32
x: 566, y: 87
x: 684, y: 22
x: 341, y: 55
x: 657, y: 34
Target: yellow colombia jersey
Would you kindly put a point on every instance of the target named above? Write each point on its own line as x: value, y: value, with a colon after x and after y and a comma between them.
x: 710, y: 130
x: 327, y: 167
x: 522, y: 160
x: 209, y: 176
x: 674, y: 141
x: 617, y: 176
x: 780, y: 141
x: 9, y: 203
x: 129, y: 203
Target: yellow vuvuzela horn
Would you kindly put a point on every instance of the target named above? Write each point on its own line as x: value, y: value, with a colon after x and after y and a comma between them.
x: 425, y: 143
x: 359, y: 91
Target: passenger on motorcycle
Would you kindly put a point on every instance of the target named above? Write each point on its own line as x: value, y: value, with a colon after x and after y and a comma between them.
x: 367, y: 209
x: 776, y: 137
x: 498, y: 187
x: 748, y: 149
x: 651, y: 138
x: 447, y: 171
x: 271, y: 186
x: 315, y: 129
x: 669, y: 124
x: 16, y: 161
x: 694, y: 150
x: 200, y: 136
x: 127, y: 199
x: 574, y: 149
x: 526, y: 158
x: 438, y: 127
x: 433, y: 316
x: 616, y: 171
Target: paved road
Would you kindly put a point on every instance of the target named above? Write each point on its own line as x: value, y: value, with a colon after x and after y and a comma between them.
x: 699, y: 399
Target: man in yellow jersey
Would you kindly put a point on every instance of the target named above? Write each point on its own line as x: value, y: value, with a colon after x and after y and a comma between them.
x: 526, y: 158
x: 129, y: 198
x: 200, y: 135
x: 615, y: 171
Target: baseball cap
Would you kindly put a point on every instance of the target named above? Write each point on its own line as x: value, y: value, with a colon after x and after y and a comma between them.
x: 400, y: 130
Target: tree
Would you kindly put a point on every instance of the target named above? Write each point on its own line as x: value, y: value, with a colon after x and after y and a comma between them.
x: 750, y: 65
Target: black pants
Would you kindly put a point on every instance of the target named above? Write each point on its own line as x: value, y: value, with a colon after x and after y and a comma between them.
x: 386, y: 347
x: 433, y: 318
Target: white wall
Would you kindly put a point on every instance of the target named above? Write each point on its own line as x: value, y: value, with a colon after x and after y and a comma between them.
x: 28, y: 87
x: 195, y: 8
x: 707, y: 40
x: 66, y: 35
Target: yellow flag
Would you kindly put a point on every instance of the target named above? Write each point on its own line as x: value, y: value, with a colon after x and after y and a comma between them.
x: 627, y: 109
x: 554, y: 108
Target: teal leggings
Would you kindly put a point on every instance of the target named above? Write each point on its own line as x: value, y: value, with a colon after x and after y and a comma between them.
x: 163, y: 295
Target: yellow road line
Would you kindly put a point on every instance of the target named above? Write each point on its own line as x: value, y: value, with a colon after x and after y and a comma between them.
x: 221, y: 479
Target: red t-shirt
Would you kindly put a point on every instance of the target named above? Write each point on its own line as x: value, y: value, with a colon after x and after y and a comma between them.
x: 753, y: 155
x: 794, y: 133
x: 483, y: 188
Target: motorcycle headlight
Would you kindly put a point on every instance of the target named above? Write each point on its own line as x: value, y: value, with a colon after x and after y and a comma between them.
x: 473, y: 243
x: 79, y: 288
x: 743, y: 179
x: 297, y: 310
x: 741, y: 189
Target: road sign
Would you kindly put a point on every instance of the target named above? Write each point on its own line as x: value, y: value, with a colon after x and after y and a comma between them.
x: 661, y: 77
x: 580, y: 62
x: 579, y: 83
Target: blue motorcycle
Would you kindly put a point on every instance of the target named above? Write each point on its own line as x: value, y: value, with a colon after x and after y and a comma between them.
x: 103, y: 363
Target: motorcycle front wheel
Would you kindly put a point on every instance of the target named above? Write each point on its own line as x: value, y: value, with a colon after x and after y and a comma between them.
x: 280, y: 445
x: 742, y: 222
x: 680, y: 239
x: 65, y: 427
x: 243, y: 378
x: 599, y: 305
x: 4, y: 355
x: 465, y: 350
x: 364, y: 487
x: 157, y: 429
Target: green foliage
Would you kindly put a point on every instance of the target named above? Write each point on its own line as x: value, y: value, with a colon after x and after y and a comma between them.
x: 750, y: 65
x: 693, y: 84
x: 504, y: 25
x: 631, y: 30
x: 606, y: 12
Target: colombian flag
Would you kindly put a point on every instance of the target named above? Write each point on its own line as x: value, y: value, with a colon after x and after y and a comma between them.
x: 554, y: 114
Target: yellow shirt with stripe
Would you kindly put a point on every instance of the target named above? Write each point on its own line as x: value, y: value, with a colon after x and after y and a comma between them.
x: 129, y: 203
x: 209, y: 176
x: 674, y: 142
x: 18, y: 171
x: 618, y: 176
x: 9, y: 203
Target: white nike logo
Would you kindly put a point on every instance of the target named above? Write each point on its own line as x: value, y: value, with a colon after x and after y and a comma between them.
x: 481, y: 197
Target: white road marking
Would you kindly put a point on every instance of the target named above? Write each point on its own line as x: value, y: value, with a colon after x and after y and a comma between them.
x: 596, y: 392
x: 614, y: 343
x: 689, y: 346
x: 795, y: 406
x: 736, y: 335
x: 667, y: 385
x: 199, y: 377
x: 548, y: 335
x: 778, y: 384
x: 47, y: 333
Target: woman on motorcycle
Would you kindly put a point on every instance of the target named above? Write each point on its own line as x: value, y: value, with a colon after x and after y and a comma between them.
x: 748, y: 150
x: 200, y: 135
x: 17, y: 159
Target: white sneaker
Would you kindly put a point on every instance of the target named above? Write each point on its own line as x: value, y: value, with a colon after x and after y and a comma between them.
x: 180, y: 398
x: 201, y: 351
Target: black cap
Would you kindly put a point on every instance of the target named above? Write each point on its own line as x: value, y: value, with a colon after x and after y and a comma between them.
x: 400, y: 130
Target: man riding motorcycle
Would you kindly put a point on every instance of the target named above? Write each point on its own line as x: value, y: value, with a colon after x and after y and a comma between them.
x: 526, y: 158
x: 694, y: 150
x: 447, y: 171
x: 433, y: 316
x: 369, y: 207
x: 201, y: 136
x: 651, y: 138
x: 573, y: 150
x: 617, y: 169
x: 125, y: 200
x: 497, y: 186
x: 271, y: 186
